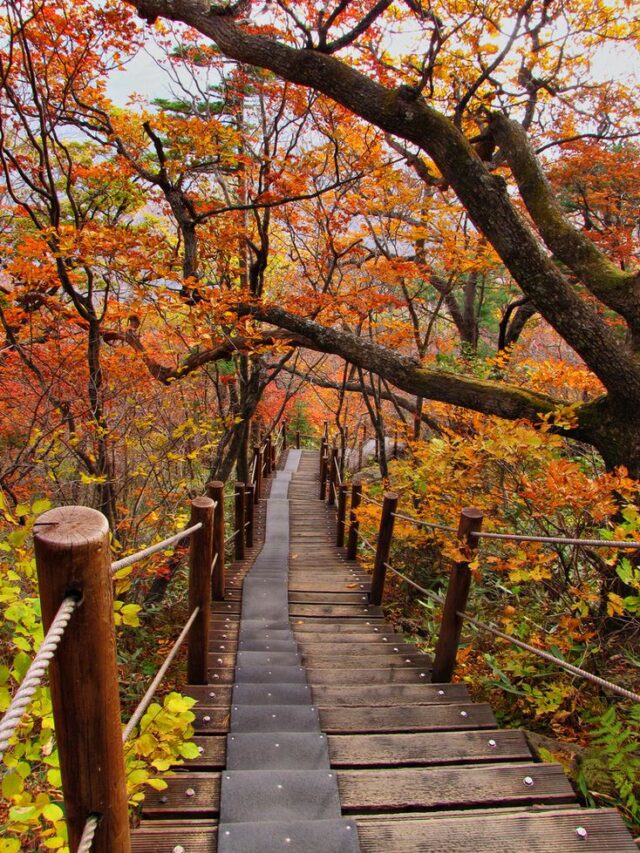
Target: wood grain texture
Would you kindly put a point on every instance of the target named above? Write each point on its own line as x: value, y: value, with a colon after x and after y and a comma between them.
x: 508, y: 832
x: 383, y: 695
x: 427, y: 749
x: 407, y: 718
x: 410, y: 789
x: 73, y: 557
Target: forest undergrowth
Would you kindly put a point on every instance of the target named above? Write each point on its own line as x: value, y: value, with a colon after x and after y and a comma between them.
x: 580, y: 604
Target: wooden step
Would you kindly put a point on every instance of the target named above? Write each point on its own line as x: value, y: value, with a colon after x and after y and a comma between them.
x: 507, y: 831
x: 198, y: 793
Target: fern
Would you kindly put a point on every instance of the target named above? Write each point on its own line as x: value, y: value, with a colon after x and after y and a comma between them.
x: 616, y: 737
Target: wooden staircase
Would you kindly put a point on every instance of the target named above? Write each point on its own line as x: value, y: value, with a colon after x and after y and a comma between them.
x: 419, y: 767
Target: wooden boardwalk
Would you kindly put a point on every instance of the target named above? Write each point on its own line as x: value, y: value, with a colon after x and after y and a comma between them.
x: 419, y: 766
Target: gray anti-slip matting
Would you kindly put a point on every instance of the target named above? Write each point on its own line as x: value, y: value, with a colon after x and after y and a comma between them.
x: 278, y: 791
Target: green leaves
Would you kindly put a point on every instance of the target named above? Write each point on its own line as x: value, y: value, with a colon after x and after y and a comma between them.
x: 161, y: 742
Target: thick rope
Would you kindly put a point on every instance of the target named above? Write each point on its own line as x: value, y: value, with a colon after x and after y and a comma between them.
x: 35, y: 673
x: 88, y: 834
x: 428, y: 592
x: 153, y: 549
x: 231, y: 537
x: 148, y: 696
x: 366, y: 542
x: 569, y: 667
x: 370, y: 500
x: 419, y: 523
x: 517, y: 537
x: 559, y: 540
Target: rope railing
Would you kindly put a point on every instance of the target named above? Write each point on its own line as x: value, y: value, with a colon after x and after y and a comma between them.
x: 431, y: 525
x: 366, y: 542
x: 541, y: 653
x: 68, y: 561
x: 35, y: 673
x: 88, y: 834
x: 371, y: 500
x: 231, y: 537
x: 151, y: 690
x: 560, y: 540
x: 520, y: 537
x: 153, y: 549
x: 469, y: 531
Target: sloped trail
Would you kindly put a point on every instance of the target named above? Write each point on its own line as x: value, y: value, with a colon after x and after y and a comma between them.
x: 320, y: 731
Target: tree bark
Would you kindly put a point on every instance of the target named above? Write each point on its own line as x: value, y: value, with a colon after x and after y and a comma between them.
x: 484, y: 195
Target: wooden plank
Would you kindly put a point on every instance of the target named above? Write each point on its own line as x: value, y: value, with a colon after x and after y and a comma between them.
x: 509, y: 832
x: 368, y: 719
x: 327, y: 585
x: 225, y: 608
x: 299, y: 611
x: 391, y: 649
x: 442, y: 787
x: 363, y: 634
x: 221, y: 676
x: 210, y: 720
x: 427, y: 749
x: 368, y: 661
x: 336, y: 598
x: 208, y: 695
x: 187, y: 794
x: 213, y: 753
x: 382, y: 695
x: 222, y: 659
x: 407, y: 718
x: 346, y: 676
x: 166, y: 836
x: 321, y: 645
x: 318, y: 624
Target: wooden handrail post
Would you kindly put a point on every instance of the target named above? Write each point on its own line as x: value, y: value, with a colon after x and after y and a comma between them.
x: 325, y: 431
x: 268, y: 457
x: 297, y: 439
x: 274, y: 456
x: 385, y: 534
x: 354, y: 524
x: 215, y: 490
x: 73, y: 558
x: 342, y: 515
x: 285, y: 425
x: 257, y: 452
x: 324, y: 446
x: 201, y: 550
x: 456, y: 599
x: 333, y: 475
x: 395, y: 443
x: 324, y: 464
x: 249, y: 492
x: 239, y: 521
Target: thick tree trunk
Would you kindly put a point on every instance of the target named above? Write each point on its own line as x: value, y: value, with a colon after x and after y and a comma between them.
x: 485, y: 196
x: 612, y: 427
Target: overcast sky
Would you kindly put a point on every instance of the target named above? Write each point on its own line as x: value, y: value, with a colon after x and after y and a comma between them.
x: 143, y: 77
